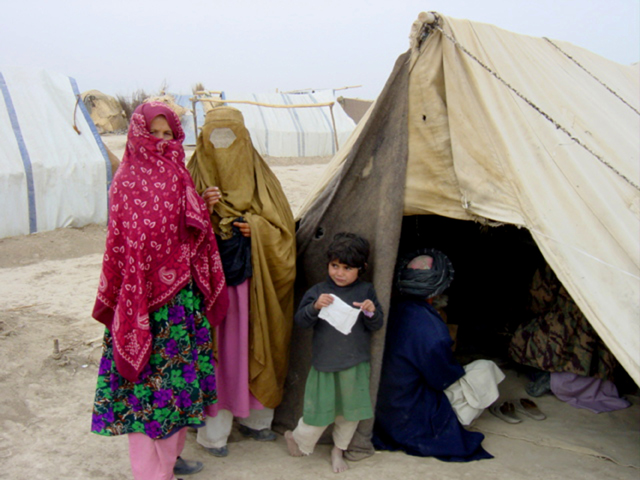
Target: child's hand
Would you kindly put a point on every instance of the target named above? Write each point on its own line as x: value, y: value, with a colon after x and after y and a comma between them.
x: 211, y: 196
x: 367, y: 306
x: 324, y: 300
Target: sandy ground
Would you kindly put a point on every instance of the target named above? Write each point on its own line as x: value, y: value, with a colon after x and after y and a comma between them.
x: 47, y: 289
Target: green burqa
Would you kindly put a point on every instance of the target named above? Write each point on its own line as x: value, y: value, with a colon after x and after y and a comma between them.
x: 225, y: 157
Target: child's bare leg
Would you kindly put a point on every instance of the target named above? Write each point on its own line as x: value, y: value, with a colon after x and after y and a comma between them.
x: 292, y: 446
x: 337, y: 460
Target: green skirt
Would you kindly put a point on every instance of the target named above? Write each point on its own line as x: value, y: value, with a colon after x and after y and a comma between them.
x: 331, y: 394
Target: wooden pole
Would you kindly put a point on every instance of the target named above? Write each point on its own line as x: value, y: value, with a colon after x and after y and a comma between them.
x: 335, y: 132
x: 304, y: 90
x: 269, y: 105
x: 195, y: 117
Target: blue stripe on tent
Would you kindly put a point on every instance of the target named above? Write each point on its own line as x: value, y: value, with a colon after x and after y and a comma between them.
x: 329, y: 123
x: 24, y: 153
x: 298, y: 125
x: 266, y: 129
x: 94, y: 131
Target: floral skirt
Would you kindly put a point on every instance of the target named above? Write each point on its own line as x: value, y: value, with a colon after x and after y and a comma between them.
x: 175, y: 386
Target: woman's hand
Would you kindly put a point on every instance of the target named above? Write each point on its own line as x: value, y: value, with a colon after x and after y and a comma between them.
x: 211, y: 196
x: 245, y: 228
x: 324, y: 300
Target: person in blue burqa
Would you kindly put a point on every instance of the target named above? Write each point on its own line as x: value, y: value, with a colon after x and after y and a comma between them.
x: 413, y: 413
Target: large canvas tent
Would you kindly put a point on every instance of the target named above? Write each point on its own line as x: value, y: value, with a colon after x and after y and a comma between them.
x: 486, y: 127
x: 54, y: 169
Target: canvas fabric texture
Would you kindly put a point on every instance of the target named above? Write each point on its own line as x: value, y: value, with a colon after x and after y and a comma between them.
x: 467, y: 147
x: 478, y: 151
x: 251, y: 190
x: 105, y: 110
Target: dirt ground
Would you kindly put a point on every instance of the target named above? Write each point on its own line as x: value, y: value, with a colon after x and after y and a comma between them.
x: 48, y: 283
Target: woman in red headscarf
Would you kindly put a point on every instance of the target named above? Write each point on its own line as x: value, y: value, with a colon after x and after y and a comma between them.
x: 161, y: 292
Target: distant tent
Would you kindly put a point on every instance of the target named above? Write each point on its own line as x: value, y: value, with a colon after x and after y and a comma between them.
x: 54, y: 169
x: 355, y: 107
x: 187, y: 119
x: 105, y: 111
x: 170, y: 101
x: 480, y: 127
x: 284, y: 132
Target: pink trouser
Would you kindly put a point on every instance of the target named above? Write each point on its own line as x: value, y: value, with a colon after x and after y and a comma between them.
x: 154, y: 459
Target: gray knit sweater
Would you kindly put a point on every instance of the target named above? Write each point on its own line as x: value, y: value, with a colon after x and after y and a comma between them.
x: 332, y: 350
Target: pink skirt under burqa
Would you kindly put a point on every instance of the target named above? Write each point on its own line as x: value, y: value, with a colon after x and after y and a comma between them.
x: 232, y: 366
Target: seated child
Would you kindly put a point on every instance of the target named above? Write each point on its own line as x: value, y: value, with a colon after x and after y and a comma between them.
x: 337, y: 388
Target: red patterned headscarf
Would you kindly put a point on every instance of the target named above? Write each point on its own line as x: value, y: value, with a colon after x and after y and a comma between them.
x: 159, y: 236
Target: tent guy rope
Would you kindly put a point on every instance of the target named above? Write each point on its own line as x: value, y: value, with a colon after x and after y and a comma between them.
x: 436, y: 26
x: 593, y: 76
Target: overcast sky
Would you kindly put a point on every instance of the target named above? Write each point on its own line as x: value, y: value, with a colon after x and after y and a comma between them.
x: 251, y: 46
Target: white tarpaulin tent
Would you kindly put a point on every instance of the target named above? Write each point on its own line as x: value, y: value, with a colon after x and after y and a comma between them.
x: 188, y: 119
x: 51, y: 176
x: 513, y: 129
x: 294, y: 132
x: 281, y: 132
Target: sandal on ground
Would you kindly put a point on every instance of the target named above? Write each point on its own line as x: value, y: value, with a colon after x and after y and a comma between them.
x: 218, y: 452
x: 264, y: 435
x: 529, y: 408
x: 186, y: 467
x: 505, y: 411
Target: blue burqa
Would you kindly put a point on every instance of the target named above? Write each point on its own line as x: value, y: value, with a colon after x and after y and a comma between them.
x: 412, y: 413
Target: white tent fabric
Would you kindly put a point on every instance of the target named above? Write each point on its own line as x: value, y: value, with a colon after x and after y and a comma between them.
x: 188, y: 121
x: 294, y: 132
x: 50, y: 175
x: 557, y: 151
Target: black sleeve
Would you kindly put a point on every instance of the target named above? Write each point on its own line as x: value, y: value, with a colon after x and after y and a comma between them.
x: 307, y: 315
x: 375, y: 322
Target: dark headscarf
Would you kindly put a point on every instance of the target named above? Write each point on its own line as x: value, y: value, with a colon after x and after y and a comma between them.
x: 424, y: 283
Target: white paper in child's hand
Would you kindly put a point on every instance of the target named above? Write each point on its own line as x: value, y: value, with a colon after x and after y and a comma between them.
x: 340, y: 315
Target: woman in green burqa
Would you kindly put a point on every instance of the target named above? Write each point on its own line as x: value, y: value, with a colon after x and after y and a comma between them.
x: 256, y: 235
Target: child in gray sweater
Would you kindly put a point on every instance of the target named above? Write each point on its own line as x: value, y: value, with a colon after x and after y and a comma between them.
x: 337, y: 388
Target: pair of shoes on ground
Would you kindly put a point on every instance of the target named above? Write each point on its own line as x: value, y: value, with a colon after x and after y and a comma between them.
x: 507, y: 410
x: 186, y: 467
x: 264, y: 435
